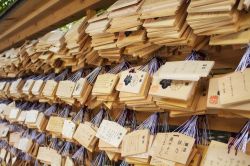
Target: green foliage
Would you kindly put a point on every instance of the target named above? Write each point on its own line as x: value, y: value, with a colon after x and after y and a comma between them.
x: 5, y: 4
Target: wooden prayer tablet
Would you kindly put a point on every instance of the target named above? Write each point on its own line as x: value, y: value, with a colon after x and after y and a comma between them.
x: 234, y: 88
x: 132, y: 81
x: 175, y: 147
x: 153, y: 9
x: 65, y: 89
x: 186, y: 70
x: 134, y: 37
x: 105, y: 84
x: 217, y: 153
x: 87, y: 138
x: 135, y: 142
x: 213, y: 100
x: 111, y: 133
x: 234, y: 38
x: 172, y: 89
x: 55, y: 125
x: 121, y: 3
x: 48, y: 155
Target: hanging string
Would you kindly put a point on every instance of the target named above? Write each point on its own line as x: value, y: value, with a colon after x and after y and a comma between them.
x: 37, y: 163
x: 195, y: 56
x: 26, y: 133
x: 120, y: 67
x: 5, y: 101
x: 52, y: 109
x: 21, y: 105
x: 79, y: 117
x: 54, y: 144
x: 190, y: 127
x: 41, y: 139
x: 99, y: 117
x: 3, y: 144
x: 29, y: 77
x: 38, y: 77
x: 152, y: 65
x: 49, y: 77
x: 245, y: 60
x: 62, y: 75
x: 204, y: 132
x: 150, y: 123
x: 15, y: 128
x: 66, y: 149
x: 80, y: 155
x: 101, y: 159
x: 164, y: 125
x: 241, y: 139
x: 65, y: 112
x: 76, y: 76
x: 25, y: 157
x: 93, y: 75
x: 42, y: 107
x: 124, y: 163
x: 127, y: 118
x: 14, y: 151
x: 27, y: 106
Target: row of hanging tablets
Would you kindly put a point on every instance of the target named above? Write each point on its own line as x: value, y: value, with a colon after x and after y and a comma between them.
x: 65, y: 139
x: 152, y: 87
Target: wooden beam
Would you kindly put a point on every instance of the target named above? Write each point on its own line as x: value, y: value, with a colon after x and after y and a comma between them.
x: 29, y: 17
x: 58, y: 15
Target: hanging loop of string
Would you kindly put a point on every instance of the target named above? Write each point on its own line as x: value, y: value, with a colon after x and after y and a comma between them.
x: 62, y: 75
x: 54, y: 144
x: 93, y: 75
x: 42, y: 107
x: 101, y: 159
x: 49, y: 77
x: 33, y: 135
x: 80, y: 155
x: 38, y: 77
x: 152, y: 65
x: 52, y: 109
x: 120, y: 67
x: 99, y: 117
x: 189, y: 128
x: 245, y: 60
x: 150, y: 123
x: 124, y: 163
x: 41, y: 139
x: 15, y: 128
x: 204, y: 132
x: 66, y: 149
x: 65, y: 112
x: 76, y: 76
x: 127, y: 118
x: 165, y: 126
x: 79, y: 117
x: 241, y: 139
x: 195, y: 56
